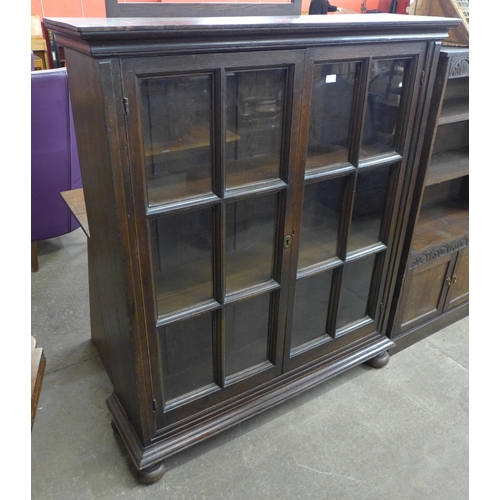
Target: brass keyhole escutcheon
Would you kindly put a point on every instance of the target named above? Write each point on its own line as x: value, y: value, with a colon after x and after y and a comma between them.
x: 288, y: 241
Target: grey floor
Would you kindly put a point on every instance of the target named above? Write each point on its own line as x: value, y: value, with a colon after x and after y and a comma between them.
x: 397, y: 433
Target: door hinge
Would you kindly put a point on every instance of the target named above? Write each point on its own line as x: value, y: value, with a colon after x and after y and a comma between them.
x: 125, y: 106
x: 381, y: 308
x: 422, y: 78
x: 154, y: 405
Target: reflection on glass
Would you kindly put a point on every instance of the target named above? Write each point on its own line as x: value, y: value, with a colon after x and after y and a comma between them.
x: 186, y: 354
x: 250, y: 235
x: 312, y: 295
x: 181, y: 245
x: 254, y: 125
x: 320, y: 221
x: 331, y: 112
x: 247, y: 326
x: 385, y: 88
x: 356, y: 280
x: 177, y: 127
x: 369, y: 207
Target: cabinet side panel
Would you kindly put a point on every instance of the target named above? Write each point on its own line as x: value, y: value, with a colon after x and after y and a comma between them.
x: 106, y: 224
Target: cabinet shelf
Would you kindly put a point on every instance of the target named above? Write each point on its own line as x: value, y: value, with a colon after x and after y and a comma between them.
x: 198, y: 137
x: 338, y: 155
x: 240, y: 173
x: 447, y: 165
x: 441, y: 223
x: 454, y: 110
x: 190, y: 287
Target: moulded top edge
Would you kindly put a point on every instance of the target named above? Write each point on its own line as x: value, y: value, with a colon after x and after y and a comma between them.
x: 120, y: 26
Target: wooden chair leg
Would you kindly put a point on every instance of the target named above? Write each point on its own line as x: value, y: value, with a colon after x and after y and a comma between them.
x: 34, y: 257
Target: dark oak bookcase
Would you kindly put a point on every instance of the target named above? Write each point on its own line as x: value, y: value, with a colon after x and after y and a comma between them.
x: 246, y: 182
x: 433, y: 289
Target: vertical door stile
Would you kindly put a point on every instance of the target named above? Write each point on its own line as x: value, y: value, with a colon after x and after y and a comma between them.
x: 375, y: 306
x: 333, y: 304
x: 274, y: 347
x: 296, y: 194
x: 219, y: 215
x: 347, y: 210
x: 220, y: 293
x: 359, y: 110
x: 283, y: 255
x: 220, y: 136
x: 357, y: 126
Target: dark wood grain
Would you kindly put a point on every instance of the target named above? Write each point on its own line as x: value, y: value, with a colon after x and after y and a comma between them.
x: 433, y: 286
x: 180, y: 256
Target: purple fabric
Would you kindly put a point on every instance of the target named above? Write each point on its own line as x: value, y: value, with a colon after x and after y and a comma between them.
x: 54, y: 159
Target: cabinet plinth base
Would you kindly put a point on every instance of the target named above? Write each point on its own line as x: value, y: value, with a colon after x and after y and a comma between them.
x: 293, y: 383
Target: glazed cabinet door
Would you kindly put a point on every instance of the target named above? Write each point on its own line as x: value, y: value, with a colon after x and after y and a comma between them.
x: 354, y: 155
x: 212, y: 152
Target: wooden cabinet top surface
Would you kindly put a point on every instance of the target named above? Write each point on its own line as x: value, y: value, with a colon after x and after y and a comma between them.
x: 371, y: 27
x: 133, y: 24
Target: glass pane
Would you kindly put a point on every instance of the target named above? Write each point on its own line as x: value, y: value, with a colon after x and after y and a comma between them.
x: 247, y: 326
x: 312, y: 296
x: 182, y: 256
x: 320, y: 221
x: 331, y: 111
x: 356, y: 280
x: 254, y: 125
x: 385, y: 88
x: 369, y: 206
x: 250, y: 235
x: 186, y: 355
x: 177, y: 127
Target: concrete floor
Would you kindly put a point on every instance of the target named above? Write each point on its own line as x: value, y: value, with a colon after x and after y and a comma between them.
x: 397, y: 433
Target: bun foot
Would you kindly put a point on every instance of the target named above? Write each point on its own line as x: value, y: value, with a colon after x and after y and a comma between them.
x: 380, y: 360
x: 152, y: 473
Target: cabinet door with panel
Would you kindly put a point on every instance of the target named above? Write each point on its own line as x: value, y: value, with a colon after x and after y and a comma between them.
x: 445, y: 282
x: 355, y: 147
x: 458, y: 283
x: 212, y: 149
x: 218, y: 203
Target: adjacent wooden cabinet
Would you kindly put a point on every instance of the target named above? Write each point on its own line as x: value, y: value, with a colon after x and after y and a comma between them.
x: 434, y: 279
x: 246, y: 182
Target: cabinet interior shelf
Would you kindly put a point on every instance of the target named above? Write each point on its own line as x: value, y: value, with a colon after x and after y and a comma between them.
x: 447, y: 165
x: 198, y: 137
x: 454, y: 110
x: 441, y: 223
x: 264, y: 169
